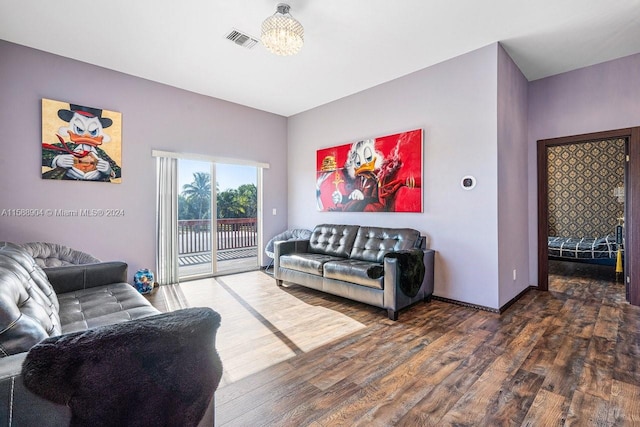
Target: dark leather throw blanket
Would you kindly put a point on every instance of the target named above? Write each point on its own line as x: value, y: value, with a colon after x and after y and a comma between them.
x: 411, y: 266
x: 160, y: 370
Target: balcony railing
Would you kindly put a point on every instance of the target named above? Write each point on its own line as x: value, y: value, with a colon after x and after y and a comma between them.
x: 194, y: 235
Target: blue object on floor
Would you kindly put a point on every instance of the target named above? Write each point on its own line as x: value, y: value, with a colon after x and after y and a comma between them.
x: 143, y: 281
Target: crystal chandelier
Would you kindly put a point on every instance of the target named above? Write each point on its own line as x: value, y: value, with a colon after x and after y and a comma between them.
x: 282, y: 34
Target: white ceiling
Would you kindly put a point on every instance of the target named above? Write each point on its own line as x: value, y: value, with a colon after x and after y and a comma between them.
x: 350, y: 45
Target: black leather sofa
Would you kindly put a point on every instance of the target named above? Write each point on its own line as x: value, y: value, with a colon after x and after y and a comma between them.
x: 82, y: 332
x: 383, y: 267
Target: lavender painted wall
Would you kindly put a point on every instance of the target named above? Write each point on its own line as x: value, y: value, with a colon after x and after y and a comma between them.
x: 513, y: 244
x: 601, y: 97
x: 154, y: 116
x: 470, y: 108
x: 455, y: 103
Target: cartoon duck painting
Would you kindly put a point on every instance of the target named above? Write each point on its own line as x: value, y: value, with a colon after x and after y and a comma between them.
x: 363, y: 161
x: 377, y: 175
x: 81, y: 158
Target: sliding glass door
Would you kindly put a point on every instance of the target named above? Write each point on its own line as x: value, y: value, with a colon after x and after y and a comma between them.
x: 195, y: 192
x: 237, y: 217
x: 217, y: 224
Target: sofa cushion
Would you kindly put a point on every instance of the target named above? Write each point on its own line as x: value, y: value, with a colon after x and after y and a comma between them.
x: 372, y: 243
x: 102, y: 305
x: 360, y: 272
x: 28, y: 303
x: 332, y: 239
x: 306, y: 262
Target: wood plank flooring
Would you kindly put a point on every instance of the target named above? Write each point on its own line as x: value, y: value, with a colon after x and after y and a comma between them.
x: 297, y: 357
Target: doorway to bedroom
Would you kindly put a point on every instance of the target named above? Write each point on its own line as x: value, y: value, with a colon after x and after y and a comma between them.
x: 586, y: 205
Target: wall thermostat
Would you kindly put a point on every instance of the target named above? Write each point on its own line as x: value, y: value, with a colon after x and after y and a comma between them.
x: 468, y: 182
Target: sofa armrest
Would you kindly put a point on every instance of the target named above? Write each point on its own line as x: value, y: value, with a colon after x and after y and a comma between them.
x: 394, y: 297
x: 21, y: 407
x: 76, y: 277
x: 428, y: 282
x: 286, y: 247
x: 157, y: 370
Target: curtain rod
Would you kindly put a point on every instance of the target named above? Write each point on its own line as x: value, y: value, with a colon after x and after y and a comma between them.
x: 206, y: 158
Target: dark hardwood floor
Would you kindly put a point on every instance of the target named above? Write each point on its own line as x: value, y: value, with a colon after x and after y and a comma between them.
x: 298, y: 357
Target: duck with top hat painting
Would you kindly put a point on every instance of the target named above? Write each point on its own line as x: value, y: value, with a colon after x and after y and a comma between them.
x: 81, y: 157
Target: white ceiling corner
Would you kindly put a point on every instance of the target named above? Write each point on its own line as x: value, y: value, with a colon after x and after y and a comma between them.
x: 349, y: 46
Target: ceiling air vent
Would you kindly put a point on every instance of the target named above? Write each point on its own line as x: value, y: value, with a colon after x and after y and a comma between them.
x: 241, y: 39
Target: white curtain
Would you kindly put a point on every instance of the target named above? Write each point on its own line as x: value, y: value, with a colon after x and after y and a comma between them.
x: 167, y: 221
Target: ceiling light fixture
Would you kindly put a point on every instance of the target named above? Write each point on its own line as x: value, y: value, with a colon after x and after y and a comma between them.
x: 282, y: 34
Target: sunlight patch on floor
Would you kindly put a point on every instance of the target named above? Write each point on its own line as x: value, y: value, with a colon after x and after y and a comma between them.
x: 262, y: 324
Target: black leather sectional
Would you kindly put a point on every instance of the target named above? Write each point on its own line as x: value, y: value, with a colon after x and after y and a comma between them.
x: 72, y: 324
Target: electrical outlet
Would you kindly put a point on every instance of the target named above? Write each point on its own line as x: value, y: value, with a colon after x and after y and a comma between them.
x: 514, y: 274
x: 275, y: 212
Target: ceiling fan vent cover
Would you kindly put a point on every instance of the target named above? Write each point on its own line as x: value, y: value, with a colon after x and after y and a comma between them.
x: 241, y: 39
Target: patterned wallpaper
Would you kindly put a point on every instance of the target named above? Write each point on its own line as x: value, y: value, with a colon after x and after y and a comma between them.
x: 582, y: 178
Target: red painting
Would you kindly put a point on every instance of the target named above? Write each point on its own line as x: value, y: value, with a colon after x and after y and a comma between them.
x: 372, y: 175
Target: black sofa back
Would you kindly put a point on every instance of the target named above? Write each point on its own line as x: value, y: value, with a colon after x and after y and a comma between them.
x: 333, y: 239
x: 362, y: 243
x: 373, y: 243
x: 28, y: 303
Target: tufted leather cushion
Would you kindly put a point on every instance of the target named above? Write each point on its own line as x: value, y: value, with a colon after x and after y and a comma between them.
x: 334, y: 240
x: 363, y: 273
x: 56, y: 255
x: 102, y: 305
x: 308, y: 263
x: 372, y: 243
x: 28, y: 304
